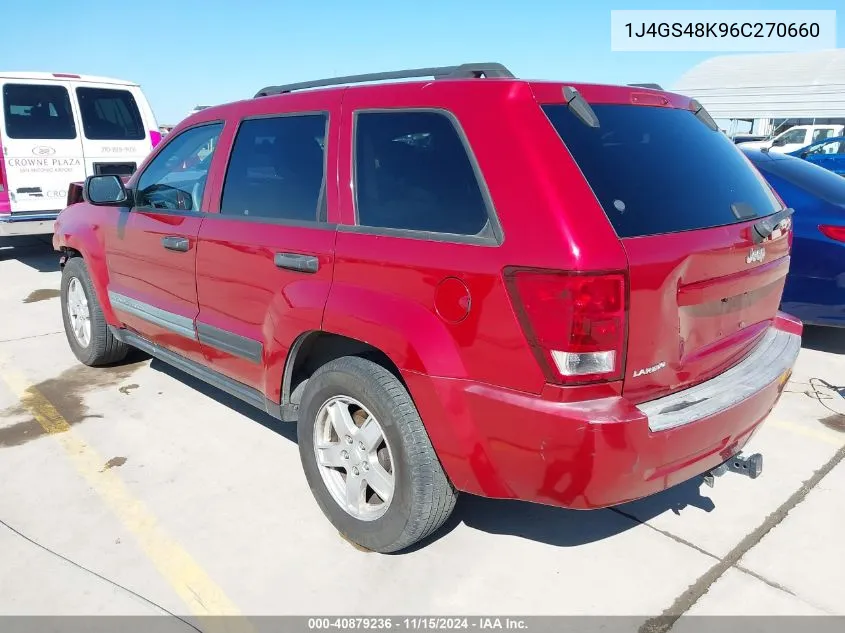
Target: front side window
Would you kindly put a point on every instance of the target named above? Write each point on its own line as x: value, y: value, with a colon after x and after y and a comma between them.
x: 793, y: 136
x: 412, y: 172
x: 110, y: 115
x: 175, y: 179
x: 277, y: 169
x: 38, y: 111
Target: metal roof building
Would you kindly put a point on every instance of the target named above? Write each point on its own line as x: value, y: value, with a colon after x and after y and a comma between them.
x: 770, y: 86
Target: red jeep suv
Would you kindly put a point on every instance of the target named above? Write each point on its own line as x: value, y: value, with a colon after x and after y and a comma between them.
x: 561, y: 293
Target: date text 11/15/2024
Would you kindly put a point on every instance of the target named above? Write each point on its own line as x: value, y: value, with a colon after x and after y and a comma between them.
x: 416, y: 623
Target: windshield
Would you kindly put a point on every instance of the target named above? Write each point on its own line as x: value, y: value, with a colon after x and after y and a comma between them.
x: 661, y: 170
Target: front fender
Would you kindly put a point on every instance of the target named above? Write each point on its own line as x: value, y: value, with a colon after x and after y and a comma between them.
x: 86, y: 238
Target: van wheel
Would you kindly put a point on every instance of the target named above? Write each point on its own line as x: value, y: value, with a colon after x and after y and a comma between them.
x: 85, y: 326
x: 368, y: 459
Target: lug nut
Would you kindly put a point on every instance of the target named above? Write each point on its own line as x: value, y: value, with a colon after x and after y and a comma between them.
x: 347, y: 439
x: 361, y: 446
x: 355, y: 471
x: 344, y: 454
x: 365, y: 466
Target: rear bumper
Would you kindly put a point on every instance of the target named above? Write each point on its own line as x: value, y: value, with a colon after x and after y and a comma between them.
x: 27, y: 224
x: 604, y: 452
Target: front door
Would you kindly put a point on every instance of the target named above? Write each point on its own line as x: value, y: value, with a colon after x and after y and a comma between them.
x: 265, y: 261
x: 151, y: 251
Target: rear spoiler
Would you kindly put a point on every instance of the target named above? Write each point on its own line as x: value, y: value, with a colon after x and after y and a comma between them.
x: 75, y: 189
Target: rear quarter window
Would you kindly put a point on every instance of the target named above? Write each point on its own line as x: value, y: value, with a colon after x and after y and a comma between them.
x: 110, y: 115
x: 37, y: 111
x: 660, y: 170
x: 413, y: 173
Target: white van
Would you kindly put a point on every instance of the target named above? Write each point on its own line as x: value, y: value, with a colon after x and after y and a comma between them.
x: 796, y: 137
x: 58, y: 128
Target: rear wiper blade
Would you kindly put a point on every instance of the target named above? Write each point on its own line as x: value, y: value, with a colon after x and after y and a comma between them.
x: 702, y: 115
x: 580, y: 107
x: 764, y: 228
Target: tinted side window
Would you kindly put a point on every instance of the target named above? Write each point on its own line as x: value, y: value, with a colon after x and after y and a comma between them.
x: 412, y: 172
x: 37, y: 111
x: 175, y: 179
x: 277, y: 168
x: 110, y: 115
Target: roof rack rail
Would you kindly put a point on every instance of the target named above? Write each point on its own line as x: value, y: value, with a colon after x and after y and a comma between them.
x: 652, y: 86
x: 488, y: 69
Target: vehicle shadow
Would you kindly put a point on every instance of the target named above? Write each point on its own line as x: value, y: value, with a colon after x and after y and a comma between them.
x: 568, y: 528
x: 824, y: 339
x: 36, y: 252
x: 286, y: 429
x: 545, y: 524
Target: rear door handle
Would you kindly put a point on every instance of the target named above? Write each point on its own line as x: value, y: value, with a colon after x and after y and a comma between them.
x: 176, y: 243
x: 295, y: 261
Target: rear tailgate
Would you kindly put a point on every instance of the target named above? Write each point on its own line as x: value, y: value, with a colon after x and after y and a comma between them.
x: 684, y: 200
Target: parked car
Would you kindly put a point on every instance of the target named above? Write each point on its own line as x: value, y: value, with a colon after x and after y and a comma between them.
x: 797, y: 137
x: 57, y: 128
x: 829, y: 153
x: 814, y: 288
x: 509, y: 288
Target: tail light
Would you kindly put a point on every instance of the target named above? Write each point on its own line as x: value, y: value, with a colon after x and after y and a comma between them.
x: 833, y: 232
x: 576, y: 324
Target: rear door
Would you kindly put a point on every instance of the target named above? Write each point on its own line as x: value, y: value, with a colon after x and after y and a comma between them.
x: 683, y: 199
x: 114, y: 136
x: 265, y: 260
x: 41, y: 144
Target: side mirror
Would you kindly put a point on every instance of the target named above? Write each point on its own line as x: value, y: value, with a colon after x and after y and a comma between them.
x: 805, y: 154
x: 778, y: 142
x: 105, y: 190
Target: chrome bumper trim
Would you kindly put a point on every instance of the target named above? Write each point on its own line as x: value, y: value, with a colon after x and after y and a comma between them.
x: 774, y: 355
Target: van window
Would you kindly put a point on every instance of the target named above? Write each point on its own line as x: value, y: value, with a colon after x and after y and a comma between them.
x: 110, y: 115
x: 413, y: 172
x: 661, y: 170
x: 276, y: 170
x: 37, y: 111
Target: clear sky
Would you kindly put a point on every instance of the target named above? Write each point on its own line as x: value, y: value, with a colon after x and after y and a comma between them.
x: 191, y: 52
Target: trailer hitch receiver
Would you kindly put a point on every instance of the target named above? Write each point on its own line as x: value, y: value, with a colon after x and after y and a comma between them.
x: 750, y: 466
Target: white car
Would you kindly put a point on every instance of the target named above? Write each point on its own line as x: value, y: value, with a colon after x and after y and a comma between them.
x: 796, y: 137
x: 58, y: 128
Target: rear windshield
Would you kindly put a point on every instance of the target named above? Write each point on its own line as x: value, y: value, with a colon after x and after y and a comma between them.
x: 37, y: 111
x: 661, y: 170
x: 814, y: 179
x: 110, y: 115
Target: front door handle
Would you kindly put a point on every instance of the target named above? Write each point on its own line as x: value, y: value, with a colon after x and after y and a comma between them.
x: 295, y: 261
x: 176, y: 243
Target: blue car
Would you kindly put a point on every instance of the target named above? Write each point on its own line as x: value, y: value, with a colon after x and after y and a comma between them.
x: 828, y: 153
x: 815, y: 286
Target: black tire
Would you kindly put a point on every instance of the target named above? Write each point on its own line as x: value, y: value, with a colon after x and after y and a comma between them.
x: 423, y: 496
x: 103, y: 348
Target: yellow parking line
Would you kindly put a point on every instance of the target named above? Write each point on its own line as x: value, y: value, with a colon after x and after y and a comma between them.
x: 817, y: 434
x: 192, y: 584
